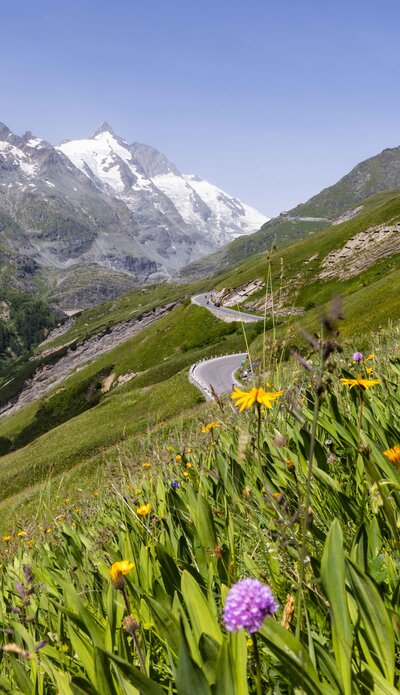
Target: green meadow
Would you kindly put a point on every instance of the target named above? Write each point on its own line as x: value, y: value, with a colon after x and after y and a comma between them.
x: 128, y: 513
x: 127, y: 590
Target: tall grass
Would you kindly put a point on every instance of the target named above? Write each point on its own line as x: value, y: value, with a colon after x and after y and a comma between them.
x: 312, y: 510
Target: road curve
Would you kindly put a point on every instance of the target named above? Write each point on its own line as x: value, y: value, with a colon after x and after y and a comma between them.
x: 222, y: 312
x: 218, y: 373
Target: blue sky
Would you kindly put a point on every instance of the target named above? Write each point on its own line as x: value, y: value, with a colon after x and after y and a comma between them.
x: 272, y: 100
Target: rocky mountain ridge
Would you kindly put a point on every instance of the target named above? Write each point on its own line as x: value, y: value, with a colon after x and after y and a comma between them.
x: 333, y: 205
x: 113, y: 214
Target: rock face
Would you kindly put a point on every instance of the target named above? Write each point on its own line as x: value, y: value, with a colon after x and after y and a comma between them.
x: 102, y: 207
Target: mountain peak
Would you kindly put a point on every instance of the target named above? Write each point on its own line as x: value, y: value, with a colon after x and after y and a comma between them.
x: 104, y: 128
x: 4, y: 131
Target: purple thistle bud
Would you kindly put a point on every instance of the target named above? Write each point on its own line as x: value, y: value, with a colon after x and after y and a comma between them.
x: 357, y: 357
x: 247, y: 605
x: 175, y: 484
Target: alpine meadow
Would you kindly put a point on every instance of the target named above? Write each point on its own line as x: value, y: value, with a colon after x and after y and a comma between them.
x: 199, y: 402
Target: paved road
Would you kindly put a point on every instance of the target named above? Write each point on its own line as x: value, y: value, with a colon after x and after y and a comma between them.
x: 218, y: 372
x: 222, y: 312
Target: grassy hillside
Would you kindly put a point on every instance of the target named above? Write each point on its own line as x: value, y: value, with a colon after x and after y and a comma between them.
x: 70, y: 426
x: 133, y: 589
x: 160, y: 357
x: 297, y: 265
x: 277, y: 232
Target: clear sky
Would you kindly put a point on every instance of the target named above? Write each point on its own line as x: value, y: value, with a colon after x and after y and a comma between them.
x: 270, y: 99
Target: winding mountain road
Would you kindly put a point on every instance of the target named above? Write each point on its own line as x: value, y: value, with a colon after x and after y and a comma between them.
x: 217, y: 374
x: 222, y: 312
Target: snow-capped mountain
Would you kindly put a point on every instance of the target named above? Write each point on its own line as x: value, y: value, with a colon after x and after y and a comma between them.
x: 106, y: 212
x: 124, y: 170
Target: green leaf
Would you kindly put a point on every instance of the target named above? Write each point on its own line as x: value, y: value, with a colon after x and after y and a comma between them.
x: 169, y: 570
x: 104, y: 679
x: 190, y: 678
x: 237, y: 645
x: 226, y: 678
x: 209, y: 650
x: 166, y: 623
x: 376, y: 683
x: 23, y: 681
x: 293, y: 656
x: 84, y: 649
x: 204, y: 522
x: 375, y: 619
x: 198, y: 608
x: 333, y: 582
x: 143, y: 683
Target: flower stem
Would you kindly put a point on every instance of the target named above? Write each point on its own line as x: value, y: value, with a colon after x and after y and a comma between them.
x: 139, y: 652
x: 258, y: 427
x: 259, y: 688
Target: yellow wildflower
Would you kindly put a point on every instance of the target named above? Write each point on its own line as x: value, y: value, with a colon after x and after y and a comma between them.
x: 138, y: 491
x: 95, y: 494
x: 118, y: 569
x: 370, y: 357
x: 189, y: 464
x: 361, y: 383
x: 6, y: 538
x: 246, y: 399
x: 146, y: 465
x: 178, y: 458
x: 369, y: 370
x: 77, y: 510
x: 144, y: 510
x: 392, y: 454
x: 67, y: 500
x: 21, y: 533
x: 210, y: 426
x: 189, y: 451
x: 186, y: 474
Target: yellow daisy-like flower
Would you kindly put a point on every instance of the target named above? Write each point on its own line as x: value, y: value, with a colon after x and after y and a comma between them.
x: 210, y: 426
x: 186, y: 474
x: 370, y: 357
x: 361, y: 383
x: 392, y: 454
x: 21, y: 533
x: 189, y: 464
x: 119, y: 569
x: 6, y: 538
x: 144, y: 510
x: 146, y: 465
x: 369, y: 370
x: 178, y: 458
x: 246, y: 399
